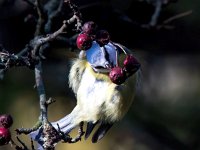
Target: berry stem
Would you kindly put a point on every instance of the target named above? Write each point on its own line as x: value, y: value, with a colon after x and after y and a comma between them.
x: 120, y: 46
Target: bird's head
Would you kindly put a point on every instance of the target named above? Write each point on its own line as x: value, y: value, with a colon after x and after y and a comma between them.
x: 102, y: 58
x: 114, y: 59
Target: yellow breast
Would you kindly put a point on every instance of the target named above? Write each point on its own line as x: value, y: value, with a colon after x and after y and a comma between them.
x: 97, y: 97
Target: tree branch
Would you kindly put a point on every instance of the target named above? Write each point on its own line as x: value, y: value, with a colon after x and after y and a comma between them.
x: 41, y: 92
x: 31, y: 56
x: 52, y: 13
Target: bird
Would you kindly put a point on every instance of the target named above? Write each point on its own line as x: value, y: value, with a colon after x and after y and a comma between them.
x: 100, y: 102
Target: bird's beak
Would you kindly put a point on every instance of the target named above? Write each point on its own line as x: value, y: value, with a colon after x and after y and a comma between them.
x: 107, y: 65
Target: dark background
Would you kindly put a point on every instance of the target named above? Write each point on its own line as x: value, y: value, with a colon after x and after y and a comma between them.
x: 165, y: 114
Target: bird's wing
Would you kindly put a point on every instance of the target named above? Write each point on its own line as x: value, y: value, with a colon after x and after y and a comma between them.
x: 101, y: 131
x: 90, y: 127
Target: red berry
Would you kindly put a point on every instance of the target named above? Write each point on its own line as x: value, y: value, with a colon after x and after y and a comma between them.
x: 6, y: 121
x: 102, y: 37
x: 89, y: 27
x: 83, y: 41
x: 117, y: 75
x: 131, y: 65
x: 5, y: 136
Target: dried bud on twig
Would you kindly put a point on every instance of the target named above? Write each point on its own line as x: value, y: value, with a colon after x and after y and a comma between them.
x: 6, y: 121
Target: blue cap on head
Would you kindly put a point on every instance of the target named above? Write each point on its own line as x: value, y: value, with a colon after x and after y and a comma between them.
x: 101, y: 57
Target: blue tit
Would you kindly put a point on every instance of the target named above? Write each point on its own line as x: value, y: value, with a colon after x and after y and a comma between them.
x: 99, y: 100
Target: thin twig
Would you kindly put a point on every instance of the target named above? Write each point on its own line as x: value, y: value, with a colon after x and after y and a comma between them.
x: 27, y: 131
x: 41, y: 19
x: 77, y: 14
x: 177, y: 16
x: 30, y: 2
x: 40, y: 41
x: 50, y: 101
x: 167, y: 21
x: 53, y: 14
x: 156, y: 13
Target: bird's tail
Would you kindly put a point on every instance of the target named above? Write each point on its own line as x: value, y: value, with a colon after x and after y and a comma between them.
x: 66, y: 124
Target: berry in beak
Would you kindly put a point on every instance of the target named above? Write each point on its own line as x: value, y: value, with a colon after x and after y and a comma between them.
x: 117, y: 75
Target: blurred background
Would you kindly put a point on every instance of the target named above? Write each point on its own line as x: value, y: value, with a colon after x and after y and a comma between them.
x: 165, y: 113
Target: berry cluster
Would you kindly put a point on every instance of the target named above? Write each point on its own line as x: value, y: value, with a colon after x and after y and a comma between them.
x: 89, y: 34
x: 118, y: 75
x: 6, y: 122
